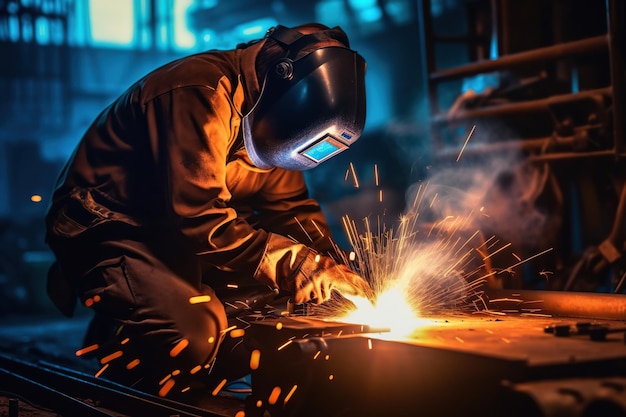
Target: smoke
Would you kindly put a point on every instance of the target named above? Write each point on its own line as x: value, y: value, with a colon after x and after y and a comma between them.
x: 503, y: 195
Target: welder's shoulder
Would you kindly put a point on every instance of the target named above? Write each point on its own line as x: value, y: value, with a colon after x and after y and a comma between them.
x: 211, y: 70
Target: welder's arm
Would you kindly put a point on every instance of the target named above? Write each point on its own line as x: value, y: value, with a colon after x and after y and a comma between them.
x: 191, y: 132
x: 284, y: 207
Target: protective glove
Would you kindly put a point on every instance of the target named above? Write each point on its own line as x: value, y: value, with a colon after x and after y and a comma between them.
x: 319, y: 275
x: 307, y: 275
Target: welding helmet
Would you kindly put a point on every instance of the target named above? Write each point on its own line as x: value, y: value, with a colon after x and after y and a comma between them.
x: 310, y: 108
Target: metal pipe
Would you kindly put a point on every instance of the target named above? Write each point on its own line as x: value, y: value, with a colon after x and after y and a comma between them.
x: 616, y: 38
x: 522, y: 107
x: 569, y: 304
x: 554, y: 52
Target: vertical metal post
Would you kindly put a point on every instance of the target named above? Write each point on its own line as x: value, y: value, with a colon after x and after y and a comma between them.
x: 615, y: 24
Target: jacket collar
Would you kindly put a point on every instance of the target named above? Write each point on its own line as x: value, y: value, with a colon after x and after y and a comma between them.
x: 248, y: 71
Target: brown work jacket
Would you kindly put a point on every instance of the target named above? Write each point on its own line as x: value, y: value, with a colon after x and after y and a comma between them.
x: 167, y: 155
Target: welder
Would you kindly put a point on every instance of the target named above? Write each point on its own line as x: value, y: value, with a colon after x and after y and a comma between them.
x: 190, y: 185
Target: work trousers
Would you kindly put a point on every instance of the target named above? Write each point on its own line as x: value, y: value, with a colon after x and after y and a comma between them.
x: 157, y: 326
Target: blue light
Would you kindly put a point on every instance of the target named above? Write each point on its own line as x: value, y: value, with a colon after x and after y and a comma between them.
x: 323, y: 150
x: 253, y: 30
x: 183, y: 37
x: 102, y: 13
x: 369, y: 15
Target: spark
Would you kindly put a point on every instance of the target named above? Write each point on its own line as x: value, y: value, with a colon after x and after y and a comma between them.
x: 528, y: 259
x: 180, y: 346
x: 104, y: 368
x: 111, y: 357
x: 290, y: 394
x: 200, y: 299
x: 465, y: 144
x: 255, y: 358
x: 319, y: 230
x: 353, y: 171
x: 376, y: 174
x: 195, y: 369
x: 237, y: 333
x: 164, y: 380
x: 228, y: 329
x: 165, y: 389
x: 132, y: 364
x: 87, y: 349
x: 273, y: 398
x: 496, y: 251
x: 232, y: 286
x: 284, y: 345
x: 219, y: 387
x: 303, y: 228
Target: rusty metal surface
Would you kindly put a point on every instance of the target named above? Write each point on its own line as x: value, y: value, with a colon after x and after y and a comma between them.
x: 453, y: 366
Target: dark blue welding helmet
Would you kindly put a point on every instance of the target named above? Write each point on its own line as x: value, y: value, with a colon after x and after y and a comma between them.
x: 310, y: 108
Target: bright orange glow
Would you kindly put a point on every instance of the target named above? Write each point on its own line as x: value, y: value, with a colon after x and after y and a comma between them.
x: 273, y: 398
x: 392, y: 311
x: 165, y: 389
x: 200, y: 299
x: 237, y: 333
x: 36, y: 198
x: 288, y: 397
x: 195, y: 369
x: 255, y: 358
x: 219, y: 387
x: 104, y: 368
x: 133, y: 364
x: 179, y: 348
x: 87, y: 349
x: 111, y: 357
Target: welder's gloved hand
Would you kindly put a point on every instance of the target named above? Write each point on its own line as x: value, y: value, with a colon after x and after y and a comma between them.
x: 319, y: 275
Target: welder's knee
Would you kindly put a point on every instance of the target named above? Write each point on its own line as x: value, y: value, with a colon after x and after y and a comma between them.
x: 166, y: 327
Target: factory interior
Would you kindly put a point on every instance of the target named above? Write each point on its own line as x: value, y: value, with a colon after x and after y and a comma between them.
x: 489, y: 174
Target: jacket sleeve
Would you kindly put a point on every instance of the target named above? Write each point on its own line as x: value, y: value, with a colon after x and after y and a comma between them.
x: 192, y: 130
x: 286, y: 208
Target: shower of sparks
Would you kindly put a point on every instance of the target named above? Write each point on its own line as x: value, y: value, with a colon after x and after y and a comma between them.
x: 416, y: 273
x: 465, y: 144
